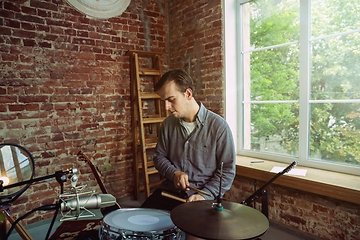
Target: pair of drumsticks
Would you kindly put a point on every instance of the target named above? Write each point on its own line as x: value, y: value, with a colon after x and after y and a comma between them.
x: 184, y: 200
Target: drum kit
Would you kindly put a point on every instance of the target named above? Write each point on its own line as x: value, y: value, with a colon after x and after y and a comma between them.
x: 201, y: 219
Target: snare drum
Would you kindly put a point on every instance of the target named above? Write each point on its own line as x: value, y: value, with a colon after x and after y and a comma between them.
x: 138, y: 223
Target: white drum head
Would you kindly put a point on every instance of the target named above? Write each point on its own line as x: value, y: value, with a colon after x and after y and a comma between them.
x: 140, y: 220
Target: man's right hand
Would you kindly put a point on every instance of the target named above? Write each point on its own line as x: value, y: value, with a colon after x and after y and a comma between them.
x: 181, y: 181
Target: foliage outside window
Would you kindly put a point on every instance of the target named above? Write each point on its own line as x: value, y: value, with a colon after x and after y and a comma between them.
x: 300, y: 78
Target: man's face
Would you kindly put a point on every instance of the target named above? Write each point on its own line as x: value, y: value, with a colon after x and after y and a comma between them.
x: 176, y: 102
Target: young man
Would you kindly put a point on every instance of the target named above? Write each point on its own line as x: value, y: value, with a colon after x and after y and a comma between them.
x: 193, y: 143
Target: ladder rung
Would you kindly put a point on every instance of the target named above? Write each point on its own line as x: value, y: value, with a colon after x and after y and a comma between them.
x: 152, y: 171
x: 149, y: 71
x: 149, y: 95
x: 144, y: 54
x: 149, y: 164
x: 150, y: 145
x: 152, y: 185
x: 153, y: 120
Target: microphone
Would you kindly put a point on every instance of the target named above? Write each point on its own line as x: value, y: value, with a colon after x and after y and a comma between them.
x: 80, y: 205
x: 93, y: 202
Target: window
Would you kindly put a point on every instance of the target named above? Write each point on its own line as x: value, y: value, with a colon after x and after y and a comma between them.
x: 298, y: 81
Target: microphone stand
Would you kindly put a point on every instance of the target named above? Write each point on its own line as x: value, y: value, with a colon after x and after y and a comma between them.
x: 60, y: 176
x: 262, y: 192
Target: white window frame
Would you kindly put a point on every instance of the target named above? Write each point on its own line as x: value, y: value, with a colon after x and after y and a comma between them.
x: 233, y: 87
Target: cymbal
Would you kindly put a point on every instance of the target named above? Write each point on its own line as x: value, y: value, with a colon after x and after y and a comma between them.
x: 235, y: 221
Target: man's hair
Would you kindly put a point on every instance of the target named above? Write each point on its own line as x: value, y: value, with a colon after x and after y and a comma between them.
x: 181, y: 78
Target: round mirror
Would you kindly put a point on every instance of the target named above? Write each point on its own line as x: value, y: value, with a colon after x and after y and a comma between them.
x: 16, y: 165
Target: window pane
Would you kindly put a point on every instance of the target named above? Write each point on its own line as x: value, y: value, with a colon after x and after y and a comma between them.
x: 334, y: 16
x: 274, y: 74
x: 335, y: 132
x: 335, y: 72
x: 272, y: 128
x: 273, y: 22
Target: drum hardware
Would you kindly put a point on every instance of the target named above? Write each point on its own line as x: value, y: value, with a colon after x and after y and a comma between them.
x: 262, y: 192
x: 225, y: 220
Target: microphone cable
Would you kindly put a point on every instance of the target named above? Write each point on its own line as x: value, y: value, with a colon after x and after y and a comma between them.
x: 42, y: 208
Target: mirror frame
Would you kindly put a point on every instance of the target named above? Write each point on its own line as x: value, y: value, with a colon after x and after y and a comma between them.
x: 14, y: 196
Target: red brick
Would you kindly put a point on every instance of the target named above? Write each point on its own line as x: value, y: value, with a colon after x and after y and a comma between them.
x: 58, y: 137
x: 43, y: 139
x: 47, y: 106
x: 28, y: 18
x: 43, y: 5
x: 30, y: 99
x: 56, y: 75
x: 59, y: 23
x: 8, y: 99
x: 16, y: 108
x: 13, y: 41
x: 104, y: 57
x: 27, y: 75
x: 24, y: 34
x: 32, y: 107
x: 45, y: 44
x: 10, y: 57
x: 11, y: 23
x: 29, y: 42
x: 14, y: 125
x: 11, y: 7
x: 43, y: 13
x: 42, y: 28
x: 83, y: 41
x: 28, y: 10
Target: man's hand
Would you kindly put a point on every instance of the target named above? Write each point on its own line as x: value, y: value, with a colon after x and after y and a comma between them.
x: 195, y: 197
x: 181, y: 181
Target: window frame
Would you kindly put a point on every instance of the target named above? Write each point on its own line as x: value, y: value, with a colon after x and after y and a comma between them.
x: 234, y: 97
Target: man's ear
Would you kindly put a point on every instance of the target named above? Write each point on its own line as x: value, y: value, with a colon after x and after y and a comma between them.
x: 188, y: 94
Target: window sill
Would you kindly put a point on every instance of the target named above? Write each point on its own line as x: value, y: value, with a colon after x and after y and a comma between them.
x: 341, y: 186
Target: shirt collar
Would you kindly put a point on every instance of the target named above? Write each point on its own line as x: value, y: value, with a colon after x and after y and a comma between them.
x: 200, y: 117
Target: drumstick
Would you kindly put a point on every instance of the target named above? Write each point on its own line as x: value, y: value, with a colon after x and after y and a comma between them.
x: 173, y: 197
x: 200, y: 191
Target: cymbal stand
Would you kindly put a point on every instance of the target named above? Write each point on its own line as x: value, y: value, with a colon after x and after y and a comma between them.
x: 262, y: 192
x: 218, y: 205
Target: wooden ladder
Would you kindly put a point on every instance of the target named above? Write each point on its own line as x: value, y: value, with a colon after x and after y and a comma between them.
x: 147, y: 115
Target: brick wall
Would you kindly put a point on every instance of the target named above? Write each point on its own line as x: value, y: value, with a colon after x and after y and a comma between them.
x: 65, y: 87
x: 317, y: 215
x: 196, y: 45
